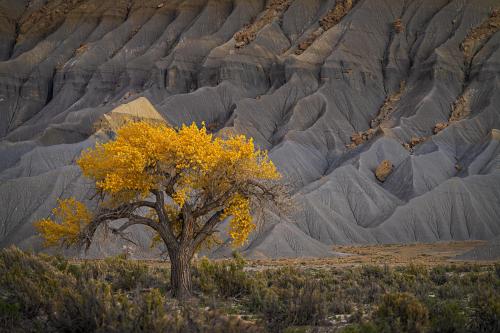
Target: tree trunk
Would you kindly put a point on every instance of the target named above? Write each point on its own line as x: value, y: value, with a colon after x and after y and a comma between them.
x: 180, y: 278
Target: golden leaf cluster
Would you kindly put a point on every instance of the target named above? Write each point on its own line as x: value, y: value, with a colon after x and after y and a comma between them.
x: 240, y: 225
x: 70, y: 217
x: 145, y: 157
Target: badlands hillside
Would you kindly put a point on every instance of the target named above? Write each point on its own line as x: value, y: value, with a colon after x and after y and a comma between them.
x: 383, y: 115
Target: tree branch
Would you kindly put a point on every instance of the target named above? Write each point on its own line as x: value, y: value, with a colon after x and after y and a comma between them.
x: 165, y: 229
x: 214, y: 204
x: 109, y: 214
x: 187, y: 223
x: 169, y: 187
x: 207, y: 228
x: 134, y: 220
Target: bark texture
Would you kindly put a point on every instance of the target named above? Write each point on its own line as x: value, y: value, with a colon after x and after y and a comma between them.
x: 180, y: 279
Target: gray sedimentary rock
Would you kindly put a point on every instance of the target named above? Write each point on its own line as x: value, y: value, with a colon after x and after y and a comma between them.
x: 393, y: 69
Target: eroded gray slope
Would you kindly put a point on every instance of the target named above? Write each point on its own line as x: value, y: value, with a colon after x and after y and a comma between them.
x: 488, y: 251
x: 299, y: 87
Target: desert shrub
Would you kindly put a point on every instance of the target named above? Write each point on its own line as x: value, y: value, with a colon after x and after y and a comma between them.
x: 29, y: 282
x: 413, y: 279
x: 286, y: 277
x: 121, y: 273
x: 296, y: 329
x: 401, y: 312
x: 485, y: 312
x: 374, y: 271
x: 96, y: 308
x: 307, y: 305
x: 360, y: 328
x: 447, y: 317
x: 89, y: 307
x: 57, y: 261
x: 438, y: 275
x: 373, y: 290
x: 268, y: 304
x: 226, y: 279
x: 341, y: 304
x: 10, y: 313
x: 196, y: 320
x: 290, y: 298
x: 39, y: 292
x: 374, y: 281
x: 151, y: 313
x: 451, y: 290
x: 419, y: 271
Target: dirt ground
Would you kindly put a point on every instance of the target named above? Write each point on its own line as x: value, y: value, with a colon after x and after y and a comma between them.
x: 388, y: 254
x: 428, y: 254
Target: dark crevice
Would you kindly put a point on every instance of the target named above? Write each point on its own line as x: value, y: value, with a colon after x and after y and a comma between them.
x: 472, y: 44
x: 164, y: 73
x: 50, y: 86
x: 129, y: 10
x: 333, y: 17
x: 227, y: 121
x: 418, y: 41
x: 16, y: 35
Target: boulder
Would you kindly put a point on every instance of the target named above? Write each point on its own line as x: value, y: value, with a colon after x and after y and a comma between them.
x: 383, y: 170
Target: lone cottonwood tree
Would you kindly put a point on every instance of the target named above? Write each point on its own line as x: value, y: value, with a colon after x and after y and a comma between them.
x: 180, y: 183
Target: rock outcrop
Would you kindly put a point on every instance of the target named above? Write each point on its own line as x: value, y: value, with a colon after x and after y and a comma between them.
x: 139, y: 109
x: 383, y: 170
x: 330, y: 87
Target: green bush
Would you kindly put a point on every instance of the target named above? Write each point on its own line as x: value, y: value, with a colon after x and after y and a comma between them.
x: 47, y: 293
x: 448, y: 317
x: 401, y: 312
x: 375, y: 272
x: 29, y: 282
x: 360, y: 328
x: 485, y: 312
x: 10, y: 313
x: 438, y: 275
x: 89, y: 307
x: 226, y: 279
x: 121, y: 273
x: 289, y: 299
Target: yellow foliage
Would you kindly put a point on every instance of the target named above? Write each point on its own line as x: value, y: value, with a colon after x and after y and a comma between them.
x: 145, y: 156
x: 240, y: 225
x: 134, y: 162
x: 71, y: 216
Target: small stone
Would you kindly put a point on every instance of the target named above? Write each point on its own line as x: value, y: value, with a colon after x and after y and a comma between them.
x: 303, y: 45
x: 414, y: 141
x: 383, y: 170
x: 357, y: 138
x: 439, y: 127
x: 398, y: 26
